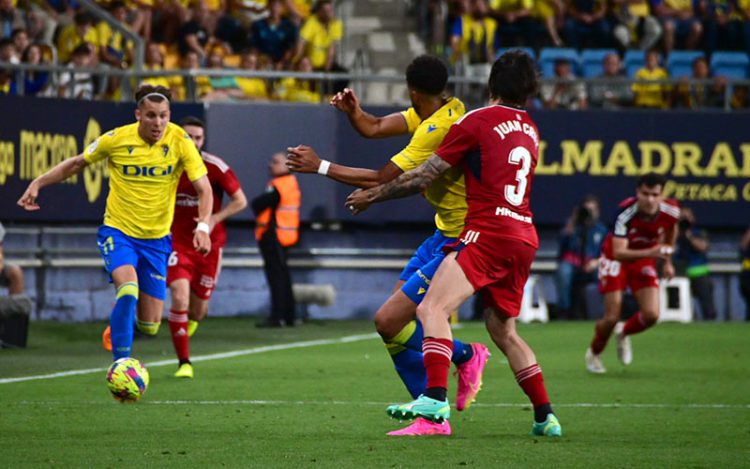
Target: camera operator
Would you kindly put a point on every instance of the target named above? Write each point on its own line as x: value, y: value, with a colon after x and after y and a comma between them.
x: 580, y: 242
x: 690, y: 260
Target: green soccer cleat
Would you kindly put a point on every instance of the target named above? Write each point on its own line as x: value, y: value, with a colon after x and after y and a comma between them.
x: 184, y: 371
x: 423, y: 406
x: 550, y: 427
x: 192, y: 327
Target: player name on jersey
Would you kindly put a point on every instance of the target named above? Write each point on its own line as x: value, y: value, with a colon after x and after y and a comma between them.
x: 512, y: 125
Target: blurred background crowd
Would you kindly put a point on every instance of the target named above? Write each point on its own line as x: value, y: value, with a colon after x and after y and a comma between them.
x: 682, y: 53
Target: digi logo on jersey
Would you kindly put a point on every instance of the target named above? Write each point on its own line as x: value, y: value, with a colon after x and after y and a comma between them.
x: 152, y: 171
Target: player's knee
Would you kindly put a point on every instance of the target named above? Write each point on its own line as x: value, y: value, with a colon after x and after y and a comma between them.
x: 148, y: 328
x: 385, y: 325
x: 199, y: 312
x: 649, y: 317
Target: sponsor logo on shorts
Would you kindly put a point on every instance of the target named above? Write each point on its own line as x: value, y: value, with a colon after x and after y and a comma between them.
x: 158, y: 277
x: 207, y: 281
x: 506, y: 212
x: 648, y: 271
x: 470, y: 237
x: 425, y: 278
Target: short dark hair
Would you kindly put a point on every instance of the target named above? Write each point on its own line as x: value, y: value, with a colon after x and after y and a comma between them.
x: 514, y: 77
x: 81, y: 49
x: 6, y: 41
x: 116, y: 4
x: 318, y: 4
x: 18, y: 31
x: 652, y: 180
x: 145, y: 90
x: 192, y: 120
x: 427, y: 74
x: 82, y: 18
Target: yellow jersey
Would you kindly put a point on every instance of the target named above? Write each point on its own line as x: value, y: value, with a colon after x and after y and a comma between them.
x: 447, y: 194
x: 319, y: 38
x: 143, y: 178
x: 253, y: 87
x: 505, y: 6
x: 69, y: 39
x: 651, y: 94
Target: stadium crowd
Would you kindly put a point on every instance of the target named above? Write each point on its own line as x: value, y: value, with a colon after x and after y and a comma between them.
x: 608, y: 40
x: 699, y: 44
x: 280, y: 35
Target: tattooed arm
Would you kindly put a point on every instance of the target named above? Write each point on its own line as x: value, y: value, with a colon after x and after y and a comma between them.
x: 409, y: 183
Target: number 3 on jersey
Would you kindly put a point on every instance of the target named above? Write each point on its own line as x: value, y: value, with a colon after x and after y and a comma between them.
x: 514, y: 193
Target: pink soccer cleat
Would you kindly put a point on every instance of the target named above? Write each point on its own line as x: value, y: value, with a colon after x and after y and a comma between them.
x: 422, y: 426
x: 470, y: 376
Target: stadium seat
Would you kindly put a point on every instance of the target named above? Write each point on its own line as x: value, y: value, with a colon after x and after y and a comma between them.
x: 633, y: 60
x: 683, y: 311
x: 730, y: 64
x: 591, y: 61
x: 680, y: 62
x: 531, y: 310
x: 547, y: 57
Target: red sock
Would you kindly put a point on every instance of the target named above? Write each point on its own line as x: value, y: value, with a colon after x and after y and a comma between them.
x: 178, y: 323
x: 437, y: 361
x: 600, y: 339
x: 531, y: 381
x: 636, y: 324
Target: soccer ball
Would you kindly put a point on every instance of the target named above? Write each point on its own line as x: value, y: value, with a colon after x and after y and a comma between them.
x: 127, y: 379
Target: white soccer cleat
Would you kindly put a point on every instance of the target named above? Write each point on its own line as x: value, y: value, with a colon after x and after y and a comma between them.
x: 594, y: 363
x: 624, y: 349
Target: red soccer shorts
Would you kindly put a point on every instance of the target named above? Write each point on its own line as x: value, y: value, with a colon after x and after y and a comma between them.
x: 201, y: 271
x: 497, y: 266
x: 619, y: 275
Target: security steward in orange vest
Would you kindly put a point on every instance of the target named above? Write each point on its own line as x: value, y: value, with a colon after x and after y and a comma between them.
x: 277, y: 228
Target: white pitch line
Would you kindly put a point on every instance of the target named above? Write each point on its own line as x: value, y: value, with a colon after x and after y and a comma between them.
x: 261, y: 402
x: 201, y: 358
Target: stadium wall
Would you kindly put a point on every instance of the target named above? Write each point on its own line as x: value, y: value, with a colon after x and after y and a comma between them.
x: 705, y: 155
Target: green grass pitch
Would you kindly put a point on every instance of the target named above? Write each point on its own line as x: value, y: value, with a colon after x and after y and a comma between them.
x: 684, y: 402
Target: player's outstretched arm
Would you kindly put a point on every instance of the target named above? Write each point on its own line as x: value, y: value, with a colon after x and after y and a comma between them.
x: 621, y: 251
x: 201, y: 237
x: 409, y: 183
x: 237, y: 203
x: 364, y: 123
x: 304, y: 159
x: 60, y: 172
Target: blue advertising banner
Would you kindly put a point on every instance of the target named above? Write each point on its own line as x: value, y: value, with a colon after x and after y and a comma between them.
x: 705, y: 156
x: 36, y: 134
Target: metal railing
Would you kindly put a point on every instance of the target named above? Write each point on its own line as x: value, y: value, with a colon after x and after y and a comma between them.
x: 356, y: 79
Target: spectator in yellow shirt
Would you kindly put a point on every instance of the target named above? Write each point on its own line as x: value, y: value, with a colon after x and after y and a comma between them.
x: 318, y: 42
x: 155, y: 61
x: 472, y: 35
x: 550, y: 13
x: 320, y: 36
x: 82, y: 30
x: 252, y: 88
x: 514, y: 21
x: 635, y: 24
x: 679, y: 21
x: 651, y: 95
x: 292, y: 89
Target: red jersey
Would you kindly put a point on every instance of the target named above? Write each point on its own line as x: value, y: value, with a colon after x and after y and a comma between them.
x: 222, y: 179
x: 643, y: 231
x: 499, y: 148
